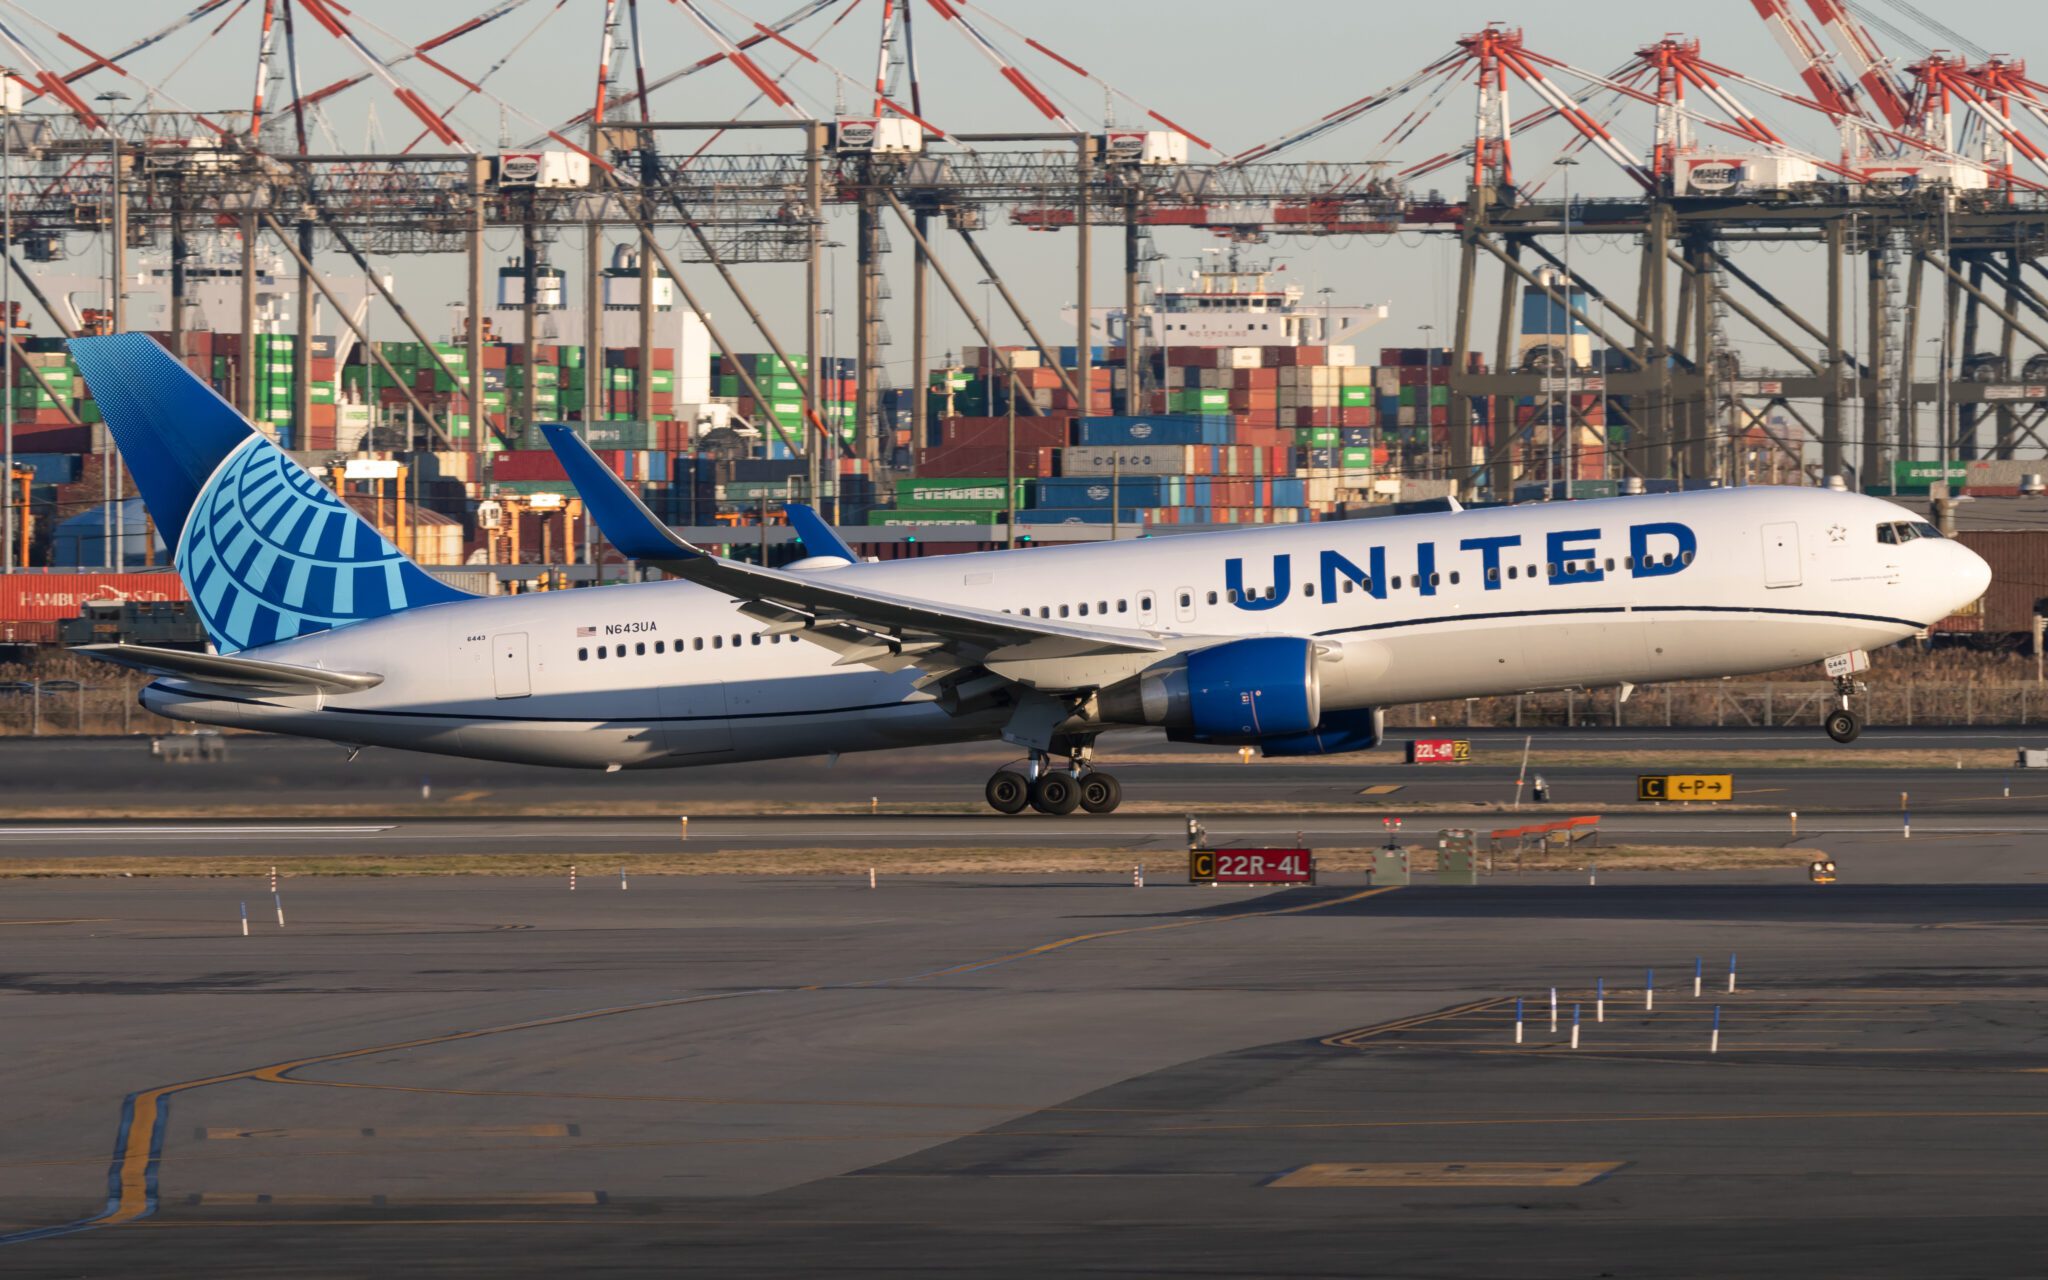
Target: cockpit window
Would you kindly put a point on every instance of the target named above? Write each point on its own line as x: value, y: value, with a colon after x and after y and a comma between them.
x: 1927, y: 530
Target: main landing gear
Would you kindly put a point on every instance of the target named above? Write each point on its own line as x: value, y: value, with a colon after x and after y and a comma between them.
x: 1054, y: 791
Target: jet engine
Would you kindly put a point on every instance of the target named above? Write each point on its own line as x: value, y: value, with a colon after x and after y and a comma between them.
x: 1240, y: 691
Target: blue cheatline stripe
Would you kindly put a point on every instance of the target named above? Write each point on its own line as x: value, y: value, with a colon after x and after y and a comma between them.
x: 391, y: 714
x: 1614, y: 609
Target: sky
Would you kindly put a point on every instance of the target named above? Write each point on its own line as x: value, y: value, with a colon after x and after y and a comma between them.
x: 1236, y: 73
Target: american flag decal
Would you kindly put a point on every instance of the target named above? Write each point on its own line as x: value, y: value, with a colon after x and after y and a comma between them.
x: 586, y: 631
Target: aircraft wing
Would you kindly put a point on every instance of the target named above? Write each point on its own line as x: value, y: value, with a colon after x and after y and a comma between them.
x: 864, y: 625
x: 252, y: 674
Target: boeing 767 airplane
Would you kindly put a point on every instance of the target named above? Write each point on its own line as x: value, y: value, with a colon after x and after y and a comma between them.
x: 1290, y: 638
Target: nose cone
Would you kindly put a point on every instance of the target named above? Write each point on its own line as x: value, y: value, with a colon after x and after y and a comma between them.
x: 1970, y: 577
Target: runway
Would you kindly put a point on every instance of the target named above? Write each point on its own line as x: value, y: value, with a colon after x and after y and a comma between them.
x: 1138, y: 833
x: 1024, y: 1077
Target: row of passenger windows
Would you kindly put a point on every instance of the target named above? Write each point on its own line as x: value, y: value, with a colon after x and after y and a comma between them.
x: 638, y: 648
x: 1187, y: 599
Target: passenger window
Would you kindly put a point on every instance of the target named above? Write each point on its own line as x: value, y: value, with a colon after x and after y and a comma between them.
x: 1493, y: 575
x: 1144, y: 602
x: 1308, y: 590
x: 1454, y: 577
x: 1102, y: 606
x: 1187, y: 600
x: 1610, y: 564
x: 640, y: 649
x: 1123, y: 606
x: 583, y: 655
x: 1397, y: 582
x: 1532, y: 570
x: 1044, y: 612
x: 1063, y: 611
x: 1367, y: 584
x: 735, y: 639
x: 1228, y: 595
x: 1685, y: 557
x: 1512, y: 572
x: 718, y: 642
x: 1550, y: 570
x: 697, y: 642
x: 1084, y: 608
x: 757, y: 638
x: 1628, y: 562
x: 1667, y: 557
x: 600, y: 652
x: 658, y: 647
x: 1349, y: 586
x: 1212, y: 597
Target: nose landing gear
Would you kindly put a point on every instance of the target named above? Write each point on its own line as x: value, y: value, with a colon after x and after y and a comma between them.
x: 1843, y: 724
x: 1054, y: 791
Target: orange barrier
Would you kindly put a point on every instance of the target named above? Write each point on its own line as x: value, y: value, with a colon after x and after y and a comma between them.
x: 1574, y: 830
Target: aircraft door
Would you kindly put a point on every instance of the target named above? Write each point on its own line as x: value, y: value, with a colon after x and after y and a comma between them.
x: 1148, y: 609
x: 1184, y: 604
x: 508, y: 665
x: 1781, y: 554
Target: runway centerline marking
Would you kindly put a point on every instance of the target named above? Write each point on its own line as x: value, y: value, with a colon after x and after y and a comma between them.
x: 139, y: 1136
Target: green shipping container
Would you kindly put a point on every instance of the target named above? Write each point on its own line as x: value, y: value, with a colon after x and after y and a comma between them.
x: 973, y: 491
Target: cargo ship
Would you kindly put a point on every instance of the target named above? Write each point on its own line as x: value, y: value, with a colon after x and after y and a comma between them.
x: 1236, y: 306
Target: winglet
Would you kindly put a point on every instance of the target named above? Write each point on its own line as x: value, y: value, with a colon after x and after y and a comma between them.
x: 625, y: 520
x: 817, y: 536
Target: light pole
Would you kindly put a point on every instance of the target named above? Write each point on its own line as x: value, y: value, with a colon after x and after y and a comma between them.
x: 7, y: 490
x: 1947, y: 321
x: 1429, y: 400
x: 830, y: 424
x: 111, y: 516
x: 1571, y: 442
x: 988, y: 325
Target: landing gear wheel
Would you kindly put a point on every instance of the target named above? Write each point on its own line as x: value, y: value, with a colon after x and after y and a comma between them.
x: 1008, y: 792
x: 1055, y: 793
x: 1101, y: 793
x: 1843, y: 726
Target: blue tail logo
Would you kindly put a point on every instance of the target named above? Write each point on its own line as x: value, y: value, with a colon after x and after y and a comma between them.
x: 266, y: 550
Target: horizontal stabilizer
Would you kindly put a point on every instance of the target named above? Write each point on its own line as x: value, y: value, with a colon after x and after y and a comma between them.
x: 238, y: 673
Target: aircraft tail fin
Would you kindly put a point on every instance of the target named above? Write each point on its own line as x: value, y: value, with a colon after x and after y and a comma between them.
x: 266, y: 551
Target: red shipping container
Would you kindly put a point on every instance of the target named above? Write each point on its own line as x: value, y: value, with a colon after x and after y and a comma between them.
x: 1193, y: 357
x: 1254, y: 400
x: 1255, y: 379
x: 323, y: 368
x: 629, y: 357
x: 32, y: 596
x: 38, y: 438
x: 227, y: 344
x: 538, y: 353
x: 1297, y: 355
x: 323, y: 416
x: 318, y: 437
x: 27, y: 632
x: 1358, y: 416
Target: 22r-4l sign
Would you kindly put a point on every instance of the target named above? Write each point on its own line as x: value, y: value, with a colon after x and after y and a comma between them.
x: 1252, y: 866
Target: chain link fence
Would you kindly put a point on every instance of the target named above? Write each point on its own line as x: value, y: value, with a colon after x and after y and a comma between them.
x: 52, y: 707
x: 1733, y: 705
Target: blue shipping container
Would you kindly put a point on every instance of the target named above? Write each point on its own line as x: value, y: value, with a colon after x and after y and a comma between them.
x: 1074, y: 515
x: 1166, y: 429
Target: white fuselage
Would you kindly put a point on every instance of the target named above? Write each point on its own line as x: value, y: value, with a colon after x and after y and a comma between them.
x: 1442, y: 605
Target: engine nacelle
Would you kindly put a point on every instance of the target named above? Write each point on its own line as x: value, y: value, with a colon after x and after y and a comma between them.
x: 1240, y: 691
x: 1339, y: 731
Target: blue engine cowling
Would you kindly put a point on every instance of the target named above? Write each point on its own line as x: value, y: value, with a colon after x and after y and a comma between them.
x: 1339, y: 731
x: 1240, y: 691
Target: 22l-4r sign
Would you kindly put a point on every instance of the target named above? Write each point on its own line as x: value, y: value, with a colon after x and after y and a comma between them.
x: 1252, y: 866
x: 1439, y: 751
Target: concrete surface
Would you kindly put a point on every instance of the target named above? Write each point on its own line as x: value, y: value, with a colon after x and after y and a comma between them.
x: 1031, y: 1077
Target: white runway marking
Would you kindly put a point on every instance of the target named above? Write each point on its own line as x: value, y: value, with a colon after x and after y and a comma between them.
x: 191, y: 831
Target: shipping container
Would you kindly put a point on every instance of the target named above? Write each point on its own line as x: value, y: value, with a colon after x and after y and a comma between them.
x: 31, y: 596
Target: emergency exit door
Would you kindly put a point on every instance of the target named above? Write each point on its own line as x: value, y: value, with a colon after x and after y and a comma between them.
x: 1781, y: 555
x: 508, y: 665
